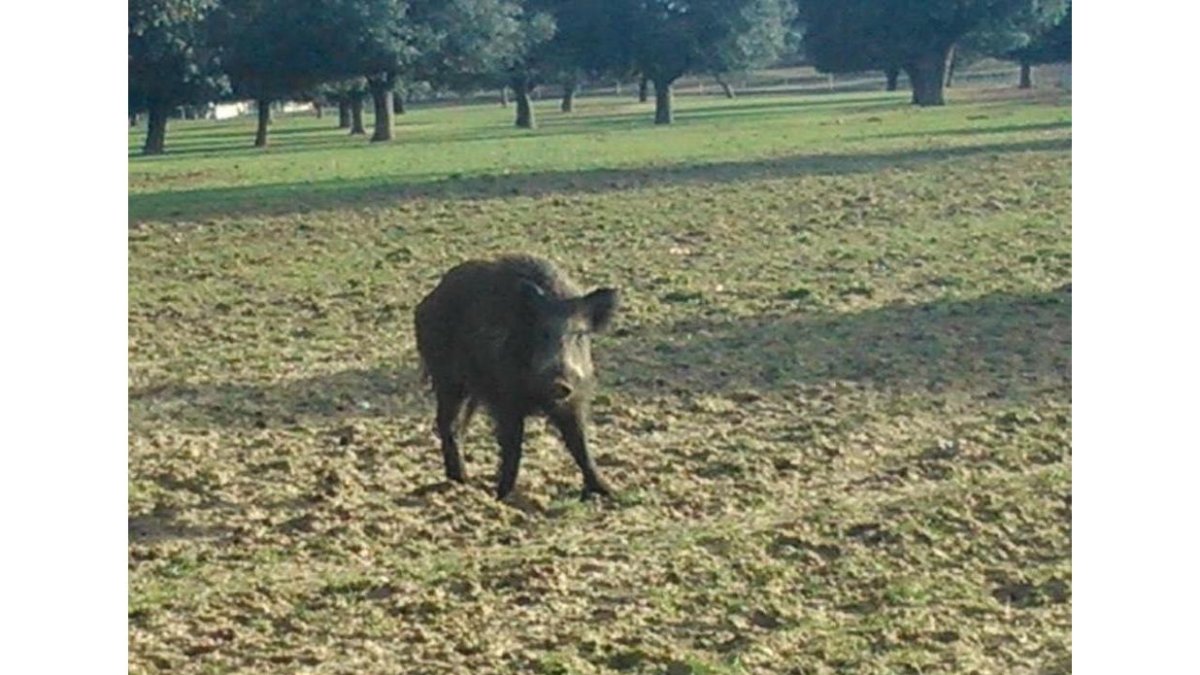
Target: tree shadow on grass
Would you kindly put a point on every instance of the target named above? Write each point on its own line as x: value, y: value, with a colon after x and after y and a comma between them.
x: 240, y: 142
x: 229, y: 149
x: 552, y: 124
x: 245, y: 133
x: 229, y: 142
x: 286, y: 198
x: 548, y: 114
x: 153, y: 528
x: 584, y: 121
x: 216, y: 138
x: 1001, y: 346
x: 346, y: 395
x: 982, y: 130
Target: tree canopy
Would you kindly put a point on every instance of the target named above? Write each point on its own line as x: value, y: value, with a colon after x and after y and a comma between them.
x: 759, y: 35
x: 916, y: 35
x: 665, y: 39
x: 1051, y: 46
x: 448, y: 43
x: 171, y: 62
x: 274, y: 48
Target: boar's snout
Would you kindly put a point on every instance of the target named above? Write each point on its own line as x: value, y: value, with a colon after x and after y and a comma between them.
x: 562, y: 382
x: 561, y: 390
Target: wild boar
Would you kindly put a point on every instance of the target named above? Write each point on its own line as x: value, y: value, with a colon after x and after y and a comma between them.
x: 512, y: 334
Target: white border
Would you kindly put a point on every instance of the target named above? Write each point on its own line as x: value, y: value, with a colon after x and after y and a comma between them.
x: 1134, y: 344
x: 63, y: 271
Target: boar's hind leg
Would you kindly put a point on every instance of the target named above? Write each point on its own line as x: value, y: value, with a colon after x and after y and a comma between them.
x: 468, y: 414
x: 449, y: 404
x: 571, y: 428
x: 510, y: 432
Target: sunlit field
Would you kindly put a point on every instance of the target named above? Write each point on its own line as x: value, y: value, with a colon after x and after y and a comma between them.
x: 835, y: 404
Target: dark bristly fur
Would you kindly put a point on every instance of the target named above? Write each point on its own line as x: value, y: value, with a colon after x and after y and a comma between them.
x: 512, y: 334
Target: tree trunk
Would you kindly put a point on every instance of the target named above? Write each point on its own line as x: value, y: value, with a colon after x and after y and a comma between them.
x: 156, y: 131
x: 504, y: 97
x: 893, y: 78
x: 568, y: 99
x: 525, y: 118
x: 320, y: 109
x: 725, y: 86
x: 356, y: 118
x: 662, y: 102
x: 951, y: 63
x: 643, y: 89
x: 264, y: 118
x: 133, y: 118
x: 343, y: 113
x: 928, y: 75
x: 1026, y: 75
x: 397, y: 103
x: 381, y: 94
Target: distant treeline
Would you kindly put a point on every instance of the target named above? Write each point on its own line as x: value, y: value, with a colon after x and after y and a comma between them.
x: 346, y: 53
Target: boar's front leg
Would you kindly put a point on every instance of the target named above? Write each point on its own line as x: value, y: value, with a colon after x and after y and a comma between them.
x: 510, y: 433
x: 570, y: 426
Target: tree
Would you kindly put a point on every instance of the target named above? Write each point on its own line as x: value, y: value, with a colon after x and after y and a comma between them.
x: 385, y: 44
x: 965, y: 53
x: 849, y: 37
x: 582, y: 47
x: 553, y: 45
x: 447, y: 43
x: 170, y: 62
x: 272, y: 49
x: 919, y: 36
x: 760, y: 38
x: 473, y: 43
x: 668, y: 38
x: 263, y: 54
x: 528, y: 63
x: 1051, y: 46
x: 1022, y: 38
x: 892, y: 73
x: 356, y: 115
x: 348, y: 96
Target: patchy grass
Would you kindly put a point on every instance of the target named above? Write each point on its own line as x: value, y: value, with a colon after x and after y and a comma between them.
x: 836, y: 404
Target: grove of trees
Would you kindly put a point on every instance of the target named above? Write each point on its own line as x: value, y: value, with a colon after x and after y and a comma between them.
x: 344, y: 52
x: 171, y: 62
x: 1052, y: 46
x: 919, y: 37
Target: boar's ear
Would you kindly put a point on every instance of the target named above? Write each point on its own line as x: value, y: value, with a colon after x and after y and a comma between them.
x: 599, y: 306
